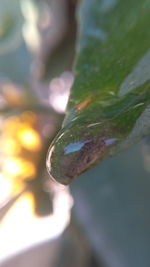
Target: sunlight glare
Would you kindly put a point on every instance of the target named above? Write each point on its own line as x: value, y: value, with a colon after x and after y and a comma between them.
x: 5, y: 189
x: 18, y: 168
x: 21, y: 229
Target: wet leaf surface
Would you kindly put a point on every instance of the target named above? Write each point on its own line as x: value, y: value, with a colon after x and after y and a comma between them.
x: 108, y: 109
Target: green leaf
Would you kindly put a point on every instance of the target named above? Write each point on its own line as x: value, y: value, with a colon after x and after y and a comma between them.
x: 108, y: 109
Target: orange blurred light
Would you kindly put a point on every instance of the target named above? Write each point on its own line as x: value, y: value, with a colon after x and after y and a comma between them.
x: 29, y: 116
x: 11, y: 125
x: 11, y: 146
x: 12, y: 94
x: 18, y: 168
x: 29, y: 139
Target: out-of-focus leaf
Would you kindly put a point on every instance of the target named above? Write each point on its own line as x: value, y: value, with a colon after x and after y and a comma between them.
x: 109, y: 107
x: 111, y: 203
x: 16, y: 66
x: 58, y: 41
x: 11, y: 21
x: 74, y: 249
x: 15, y: 60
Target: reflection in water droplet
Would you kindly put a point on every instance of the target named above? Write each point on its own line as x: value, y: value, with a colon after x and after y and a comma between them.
x: 70, y: 156
x: 110, y: 141
x: 48, y: 160
x: 93, y: 124
x: 74, y: 146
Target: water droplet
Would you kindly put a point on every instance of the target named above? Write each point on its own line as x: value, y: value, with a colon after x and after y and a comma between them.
x: 72, y: 153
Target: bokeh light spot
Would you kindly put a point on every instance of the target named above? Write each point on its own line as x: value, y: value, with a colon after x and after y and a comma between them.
x: 29, y: 139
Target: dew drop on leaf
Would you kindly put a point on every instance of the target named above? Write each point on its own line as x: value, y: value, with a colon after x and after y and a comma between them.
x: 72, y: 153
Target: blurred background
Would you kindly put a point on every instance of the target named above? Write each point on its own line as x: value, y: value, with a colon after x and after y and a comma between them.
x: 43, y: 223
